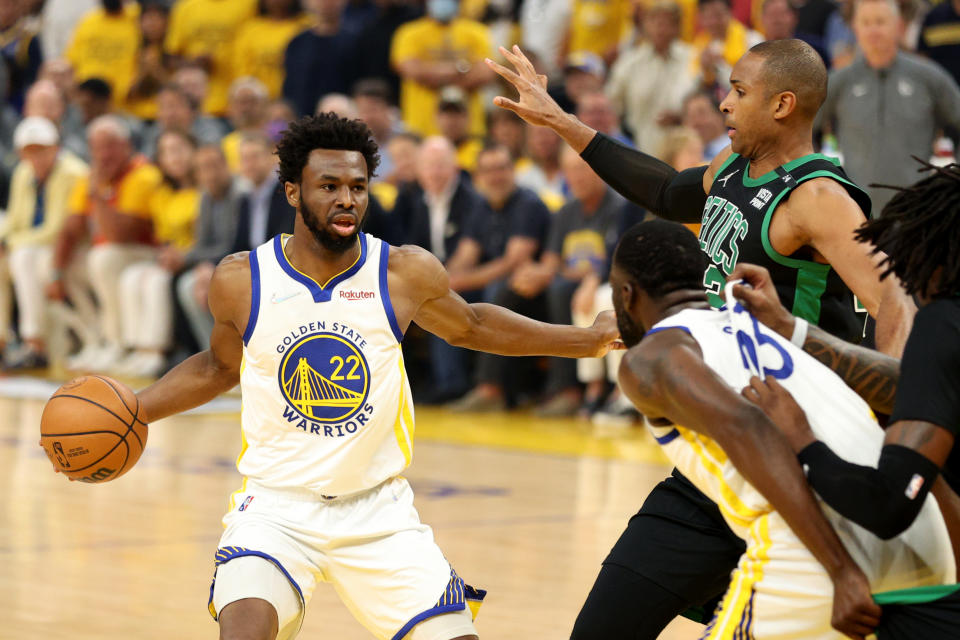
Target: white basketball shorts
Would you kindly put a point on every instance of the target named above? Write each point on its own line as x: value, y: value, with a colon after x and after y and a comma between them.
x: 372, y: 547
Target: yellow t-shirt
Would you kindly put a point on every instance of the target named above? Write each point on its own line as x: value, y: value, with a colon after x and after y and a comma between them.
x: 174, y: 213
x: 130, y: 194
x: 385, y: 193
x: 598, y: 25
x: 207, y: 28
x: 231, y: 150
x: 429, y: 40
x: 734, y: 46
x: 259, y: 47
x: 467, y: 152
x: 106, y: 46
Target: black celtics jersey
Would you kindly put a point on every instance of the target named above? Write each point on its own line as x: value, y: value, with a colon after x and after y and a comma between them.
x: 735, y: 228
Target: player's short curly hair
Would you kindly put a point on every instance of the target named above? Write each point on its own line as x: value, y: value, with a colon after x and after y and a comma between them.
x: 661, y: 257
x: 323, y: 131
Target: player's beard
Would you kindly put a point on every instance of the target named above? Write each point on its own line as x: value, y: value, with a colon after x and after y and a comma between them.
x: 327, y: 238
x: 630, y: 332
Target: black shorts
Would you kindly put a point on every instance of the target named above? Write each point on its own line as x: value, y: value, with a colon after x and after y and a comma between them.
x: 920, y: 613
x: 676, y: 553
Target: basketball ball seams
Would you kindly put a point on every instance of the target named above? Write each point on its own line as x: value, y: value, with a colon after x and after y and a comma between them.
x: 119, y: 396
x: 96, y: 404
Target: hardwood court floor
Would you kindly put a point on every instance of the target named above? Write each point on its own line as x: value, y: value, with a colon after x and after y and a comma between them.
x: 522, y: 507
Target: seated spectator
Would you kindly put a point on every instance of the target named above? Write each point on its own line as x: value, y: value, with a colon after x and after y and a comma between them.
x: 202, y: 32
x: 193, y: 79
x: 319, y: 60
x: 215, y: 234
x: 373, y: 100
x: 177, y: 110
x: 505, y: 128
x: 702, y: 114
x: 595, y: 110
x: 111, y: 208
x: 20, y: 51
x: 648, y: 82
x: 453, y: 121
x: 403, y: 150
x: 105, y: 45
x: 45, y: 100
x: 154, y: 67
x: 39, y: 190
x: 838, y: 36
x: 437, y: 51
x: 434, y: 212
x: 247, y: 113
x: 722, y: 40
x: 261, y: 41
x: 598, y: 26
x: 580, y: 245
x: 264, y: 211
x: 583, y: 73
x: 542, y: 173
x: 338, y: 103
x: 145, y: 296
x: 682, y: 149
x: 279, y: 116
x: 779, y: 21
x: 511, y: 233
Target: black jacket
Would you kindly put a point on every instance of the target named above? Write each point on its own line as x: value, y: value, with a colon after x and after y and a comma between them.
x: 279, y: 220
x: 412, y: 213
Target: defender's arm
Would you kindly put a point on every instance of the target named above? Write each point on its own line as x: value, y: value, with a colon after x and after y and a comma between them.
x: 205, y: 375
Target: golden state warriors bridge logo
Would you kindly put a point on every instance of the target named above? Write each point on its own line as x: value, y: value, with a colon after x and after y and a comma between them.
x: 324, y: 378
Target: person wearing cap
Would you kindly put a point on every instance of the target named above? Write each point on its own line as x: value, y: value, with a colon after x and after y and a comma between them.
x: 39, y: 191
x: 453, y: 120
x: 433, y: 52
x: 583, y: 72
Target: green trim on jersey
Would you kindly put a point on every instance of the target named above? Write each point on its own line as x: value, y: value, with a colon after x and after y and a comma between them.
x: 811, y: 276
x: 916, y: 595
x: 747, y: 181
x: 726, y: 163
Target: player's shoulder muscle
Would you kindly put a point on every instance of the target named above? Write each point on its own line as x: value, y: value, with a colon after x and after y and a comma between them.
x: 818, y: 206
x: 649, y: 369
x: 715, y: 165
x: 420, y: 274
x: 230, y: 289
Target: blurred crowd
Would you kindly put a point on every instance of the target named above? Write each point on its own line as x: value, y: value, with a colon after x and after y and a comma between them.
x: 137, y: 139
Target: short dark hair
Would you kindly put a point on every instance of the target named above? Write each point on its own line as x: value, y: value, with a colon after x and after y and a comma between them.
x: 376, y: 88
x: 296, y: 7
x: 661, y: 257
x: 793, y: 65
x: 173, y: 87
x: 701, y: 3
x: 96, y: 87
x: 323, y: 131
x: 919, y: 230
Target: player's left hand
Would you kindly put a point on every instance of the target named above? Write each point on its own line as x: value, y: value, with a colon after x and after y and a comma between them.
x: 855, y: 614
x: 782, y: 410
x: 608, y: 334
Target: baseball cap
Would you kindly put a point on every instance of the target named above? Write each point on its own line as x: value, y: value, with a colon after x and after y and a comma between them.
x: 35, y: 130
x: 586, y: 62
x: 453, y: 98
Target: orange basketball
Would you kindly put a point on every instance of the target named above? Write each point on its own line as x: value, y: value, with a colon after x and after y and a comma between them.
x: 90, y: 429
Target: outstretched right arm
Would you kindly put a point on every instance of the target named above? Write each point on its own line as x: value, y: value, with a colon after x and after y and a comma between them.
x: 205, y: 375
x: 639, y: 177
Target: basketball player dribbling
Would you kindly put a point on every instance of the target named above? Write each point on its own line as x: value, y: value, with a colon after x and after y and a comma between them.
x: 769, y: 200
x: 310, y: 326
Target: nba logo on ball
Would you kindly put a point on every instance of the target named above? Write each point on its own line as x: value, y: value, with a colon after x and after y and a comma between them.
x: 324, y: 378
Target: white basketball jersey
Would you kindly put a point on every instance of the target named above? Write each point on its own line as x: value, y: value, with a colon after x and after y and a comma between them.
x: 735, y: 346
x: 326, y: 401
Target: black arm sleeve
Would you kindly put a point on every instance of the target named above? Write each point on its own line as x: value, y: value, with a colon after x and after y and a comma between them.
x: 649, y: 182
x: 885, y: 500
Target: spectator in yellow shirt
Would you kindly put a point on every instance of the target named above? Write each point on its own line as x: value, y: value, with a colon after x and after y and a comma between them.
x: 154, y: 67
x: 41, y: 184
x: 598, y: 26
x: 105, y: 44
x: 112, y: 209
x: 203, y: 31
x: 146, y: 298
x: 453, y: 120
x: 722, y: 40
x: 247, y: 111
x: 261, y: 42
x: 436, y: 51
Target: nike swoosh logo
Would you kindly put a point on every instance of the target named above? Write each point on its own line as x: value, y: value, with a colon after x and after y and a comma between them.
x: 275, y: 299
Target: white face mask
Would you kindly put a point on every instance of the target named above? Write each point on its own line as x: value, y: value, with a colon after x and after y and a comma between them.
x: 442, y: 10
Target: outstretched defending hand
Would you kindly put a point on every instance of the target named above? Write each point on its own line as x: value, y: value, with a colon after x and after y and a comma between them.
x: 760, y: 298
x: 535, y: 104
x: 608, y: 334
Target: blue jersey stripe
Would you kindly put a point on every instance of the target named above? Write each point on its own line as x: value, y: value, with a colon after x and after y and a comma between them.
x: 254, y: 297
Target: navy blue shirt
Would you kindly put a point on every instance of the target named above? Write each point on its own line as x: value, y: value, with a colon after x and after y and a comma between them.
x: 940, y: 38
x: 317, y: 65
x: 523, y: 215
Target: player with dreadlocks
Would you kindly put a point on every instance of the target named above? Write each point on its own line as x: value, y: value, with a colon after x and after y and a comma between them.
x: 919, y: 231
